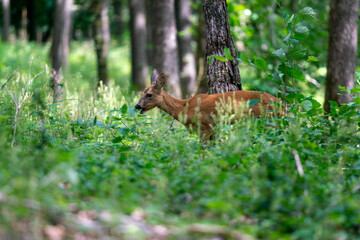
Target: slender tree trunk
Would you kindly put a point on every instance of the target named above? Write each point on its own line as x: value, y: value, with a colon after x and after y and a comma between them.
x: 221, y: 76
x: 31, y: 16
x: 139, y: 67
x: 343, y: 34
x: 200, y: 54
x: 102, y: 38
x: 60, y: 44
x: 6, y: 20
x: 150, y: 28
x: 165, y: 56
x: 118, y: 20
x: 186, y: 53
x: 23, y: 31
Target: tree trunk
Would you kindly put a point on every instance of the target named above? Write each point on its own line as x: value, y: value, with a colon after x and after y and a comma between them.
x: 101, y: 38
x: 31, y: 16
x: 165, y: 56
x: 200, y: 54
x: 343, y: 34
x: 60, y: 44
x: 221, y: 76
x: 118, y: 20
x: 139, y: 67
x: 150, y: 28
x: 186, y: 53
x: 6, y: 20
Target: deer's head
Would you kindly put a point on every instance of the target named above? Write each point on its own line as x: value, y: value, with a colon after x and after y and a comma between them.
x: 152, y: 96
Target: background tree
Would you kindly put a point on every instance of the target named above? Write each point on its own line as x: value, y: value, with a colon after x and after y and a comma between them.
x: 165, y: 55
x: 200, y: 51
x: 31, y: 16
x: 186, y: 53
x: 100, y: 9
x: 221, y: 76
x: 60, y: 44
x: 118, y: 26
x: 343, y: 36
x: 139, y: 67
x: 6, y: 19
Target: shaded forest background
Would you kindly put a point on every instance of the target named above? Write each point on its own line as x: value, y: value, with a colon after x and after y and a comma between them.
x: 168, y: 35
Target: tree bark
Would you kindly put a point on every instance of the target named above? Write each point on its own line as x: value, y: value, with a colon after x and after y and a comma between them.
x: 150, y: 28
x: 165, y: 55
x: 343, y: 38
x: 186, y: 53
x: 221, y: 76
x: 200, y: 54
x: 60, y: 44
x: 31, y: 16
x: 139, y: 66
x: 101, y: 38
x: 118, y: 20
x: 6, y: 20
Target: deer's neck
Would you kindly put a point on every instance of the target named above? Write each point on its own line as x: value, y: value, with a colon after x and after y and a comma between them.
x: 172, y: 106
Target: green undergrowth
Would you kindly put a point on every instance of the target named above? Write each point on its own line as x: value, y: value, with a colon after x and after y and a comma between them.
x: 290, y: 178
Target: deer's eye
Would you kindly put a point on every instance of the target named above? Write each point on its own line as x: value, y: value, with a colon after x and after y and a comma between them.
x: 149, y: 95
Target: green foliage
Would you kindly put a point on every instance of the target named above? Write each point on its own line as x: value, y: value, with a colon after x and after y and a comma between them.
x: 107, y: 157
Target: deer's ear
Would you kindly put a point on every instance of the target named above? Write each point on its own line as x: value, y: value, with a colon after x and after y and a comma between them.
x: 154, y: 76
x: 161, y: 80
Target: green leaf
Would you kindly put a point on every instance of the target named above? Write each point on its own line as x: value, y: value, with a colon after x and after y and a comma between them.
x: 220, y: 58
x: 297, y: 74
x: 117, y: 140
x: 252, y: 102
x: 211, y: 58
x: 123, y: 109
x: 79, y: 121
x: 315, y: 103
x: 123, y: 131
x: 301, y: 32
x: 307, y: 13
x: 261, y: 64
x: 297, y: 52
x: 313, y: 59
x: 227, y: 54
x: 280, y: 54
x: 244, y: 57
x: 307, y: 105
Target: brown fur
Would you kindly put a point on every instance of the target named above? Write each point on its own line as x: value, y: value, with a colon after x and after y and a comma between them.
x: 202, y: 110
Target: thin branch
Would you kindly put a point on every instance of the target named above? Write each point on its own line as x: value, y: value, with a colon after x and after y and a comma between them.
x: 9, y: 78
x: 298, y: 162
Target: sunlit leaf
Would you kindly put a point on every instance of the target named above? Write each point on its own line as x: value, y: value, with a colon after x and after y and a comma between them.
x: 307, y: 13
x: 227, y: 54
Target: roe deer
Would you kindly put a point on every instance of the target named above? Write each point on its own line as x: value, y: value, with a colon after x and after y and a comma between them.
x: 200, y: 112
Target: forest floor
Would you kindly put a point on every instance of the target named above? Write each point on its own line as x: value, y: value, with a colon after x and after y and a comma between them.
x: 94, y: 168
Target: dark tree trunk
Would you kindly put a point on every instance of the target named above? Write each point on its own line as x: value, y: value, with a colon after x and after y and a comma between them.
x: 31, y: 16
x: 60, y: 44
x: 139, y: 67
x: 118, y: 20
x: 200, y: 54
x: 221, y: 76
x: 186, y: 53
x: 165, y: 55
x: 343, y: 34
x: 6, y: 20
x: 101, y: 38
